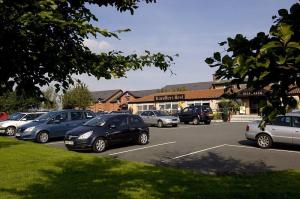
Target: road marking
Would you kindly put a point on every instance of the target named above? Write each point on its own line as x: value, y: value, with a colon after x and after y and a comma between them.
x: 50, y: 143
x: 146, y: 147
x: 248, y: 147
x: 192, y: 153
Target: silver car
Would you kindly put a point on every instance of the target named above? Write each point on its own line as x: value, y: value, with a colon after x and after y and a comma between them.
x: 159, y: 118
x: 284, y: 129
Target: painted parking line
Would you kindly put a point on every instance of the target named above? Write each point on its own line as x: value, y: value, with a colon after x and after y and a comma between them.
x: 192, y: 153
x: 147, y: 147
x: 249, y: 147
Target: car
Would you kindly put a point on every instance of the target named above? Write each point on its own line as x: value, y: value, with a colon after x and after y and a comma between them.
x: 283, y: 129
x: 120, y: 112
x: 53, y: 124
x: 15, y: 120
x: 101, y: 132
x: 196, y: 114
x: 3, y: 116
x: 159, y: 118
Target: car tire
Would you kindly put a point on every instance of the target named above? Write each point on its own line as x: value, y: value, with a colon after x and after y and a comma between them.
x: 196, y: 121
x: 143, y: 139
x: 174, y: 125
x: 42, y: 137
x: 264, y: 141
x: 99, y: 145
x: 207, y: 122
x: 10, y: 131
x: 160, y: 124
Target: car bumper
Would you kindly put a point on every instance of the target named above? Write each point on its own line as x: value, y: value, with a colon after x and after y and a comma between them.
x: 171, y: 122
x: 2, y: 130
x: 75, y: 144
x: 23, y: 136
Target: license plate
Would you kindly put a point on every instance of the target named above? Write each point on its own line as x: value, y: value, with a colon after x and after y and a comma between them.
x: 18, y: 134
x: 69, y: 142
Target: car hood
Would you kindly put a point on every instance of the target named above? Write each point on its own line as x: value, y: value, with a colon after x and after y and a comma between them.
x: 168, y: 117
x: 30, y: 124
x: 82, y: 129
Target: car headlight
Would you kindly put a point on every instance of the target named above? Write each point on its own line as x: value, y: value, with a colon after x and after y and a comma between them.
x: 85, y: 135
x: 30, y: 129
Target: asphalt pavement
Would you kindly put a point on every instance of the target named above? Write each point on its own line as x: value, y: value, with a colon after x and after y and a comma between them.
x: 219, y: 148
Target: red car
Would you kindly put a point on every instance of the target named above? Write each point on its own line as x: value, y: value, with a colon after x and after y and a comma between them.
x: 3, y: 116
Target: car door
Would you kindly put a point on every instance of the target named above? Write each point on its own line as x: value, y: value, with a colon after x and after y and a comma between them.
x: 76, y: 119
x: 183, y: 116
x: 145, y: 117
x: 152, y: 118
x: 118, y: 129
x: 135, y: 125
x: 296, y: 129
x: 58, y: 125
x: 281, y: 129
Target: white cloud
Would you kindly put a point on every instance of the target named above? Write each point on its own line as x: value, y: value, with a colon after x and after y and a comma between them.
x: 96, y: 46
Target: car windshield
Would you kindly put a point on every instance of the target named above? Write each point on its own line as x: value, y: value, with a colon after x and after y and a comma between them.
x: 45, y: 117
x: 160, y: 113
x: 16, y: 116
x: 97, y: 121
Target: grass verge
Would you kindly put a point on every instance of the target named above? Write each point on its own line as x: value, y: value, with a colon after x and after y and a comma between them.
x: 29, y: 170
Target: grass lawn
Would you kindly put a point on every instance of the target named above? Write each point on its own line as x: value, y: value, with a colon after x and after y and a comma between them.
x: 29, y: 170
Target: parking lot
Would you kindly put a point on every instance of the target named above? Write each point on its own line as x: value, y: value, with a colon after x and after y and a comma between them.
x: 217, y: 148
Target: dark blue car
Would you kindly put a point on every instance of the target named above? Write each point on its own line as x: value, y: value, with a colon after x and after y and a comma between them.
x: 54, y: 124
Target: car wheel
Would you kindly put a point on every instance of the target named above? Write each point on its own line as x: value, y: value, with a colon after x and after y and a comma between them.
x: 207, y: 122
x: 10, y: 131
x: 174, y: 125
x: 160, y: 124
x: 196, y: 121
x: 99, y: 145
x: 264, y: 141
x: 42, y: 137
x: 143, y: 139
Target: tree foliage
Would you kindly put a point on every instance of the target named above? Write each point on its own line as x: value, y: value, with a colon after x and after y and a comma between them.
x: 11, y: 102
x: 77, y: 97
x: 41, y: 41
x: 266, y: 61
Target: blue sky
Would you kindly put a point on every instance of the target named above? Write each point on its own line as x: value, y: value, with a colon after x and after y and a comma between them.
x: 191, y: 28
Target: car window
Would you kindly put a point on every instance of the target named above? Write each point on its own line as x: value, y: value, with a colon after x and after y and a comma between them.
x: 76, y: 115
x: 282, y: 121
x: 61, y: 116
x: 144, y: 113
x: 151, y: 113
x: 29, y: 117
x: 135, y: 121
x: 88, y: 115
x: 186, y: 110
x: 119, y: 122
x: 296, y: 122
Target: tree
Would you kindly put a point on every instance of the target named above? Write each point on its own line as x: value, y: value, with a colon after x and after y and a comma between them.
x: 50, y: 97
x: 11, y: 102
x: 268, y: 61
x: 41, y: 41
x: 77, y: 97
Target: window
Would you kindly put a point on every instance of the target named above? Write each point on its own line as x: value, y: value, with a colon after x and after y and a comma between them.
x: 282, y: 121
x: 168, y: 106
x: 151, y: 113
x: 88, y: 115
x: 296, y: 122
x: 145, y: 113
x: 185, y: 110
x: 120, y: 122
x: 135, y: 121
x: 151, y: 107
x: 61, y: 116
x: 140, y: 108
x: 76, y: 115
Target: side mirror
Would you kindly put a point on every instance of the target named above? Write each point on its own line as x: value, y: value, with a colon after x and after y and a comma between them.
x: 112, y: 126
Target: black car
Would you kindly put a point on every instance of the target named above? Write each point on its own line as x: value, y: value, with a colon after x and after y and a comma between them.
x: 100, y: 132
x: 196, y: 114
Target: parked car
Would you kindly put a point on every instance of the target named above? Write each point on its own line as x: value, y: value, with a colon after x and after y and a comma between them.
x: 53, y: 125
x: 196, y: 114
x: 101, y: 132
x: 283, y: 129
x: 3, y: 116
x: 159, y: 118
x: 120, y: 112
x: 17, y: 119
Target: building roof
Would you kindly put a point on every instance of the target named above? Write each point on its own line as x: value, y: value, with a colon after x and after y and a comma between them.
x: 189, y: 86
x: 143, y: 93
x: 188, y: 95
x: 103, y: 96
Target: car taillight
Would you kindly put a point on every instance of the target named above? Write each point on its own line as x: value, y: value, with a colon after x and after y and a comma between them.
x: 247, y: 128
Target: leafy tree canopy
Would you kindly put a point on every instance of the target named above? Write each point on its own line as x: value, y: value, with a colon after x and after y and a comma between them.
x: 265, y: 61
x: 41, y: 41
x: 77, y: 97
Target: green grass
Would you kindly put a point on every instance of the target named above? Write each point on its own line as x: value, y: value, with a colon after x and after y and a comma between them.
x: 29, y: 170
